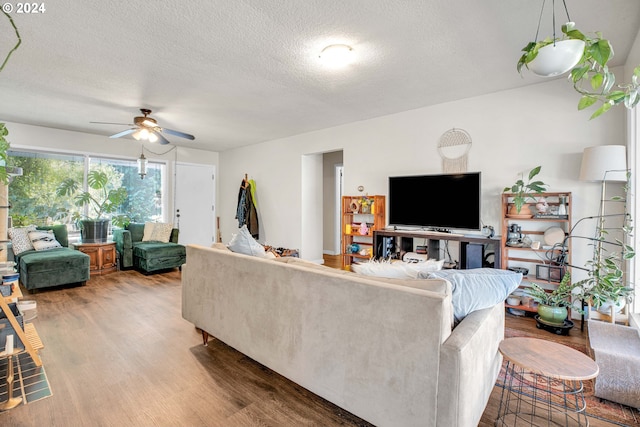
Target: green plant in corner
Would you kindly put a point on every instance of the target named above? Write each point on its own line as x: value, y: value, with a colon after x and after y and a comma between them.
x: 605, y: 284
x: 101, y: 201
x: 591, y: 76
x: 522, y: 192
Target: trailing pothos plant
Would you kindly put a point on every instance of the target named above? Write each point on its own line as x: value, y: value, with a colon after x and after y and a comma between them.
x: 15, y: 29
x: 591, y: 76
x: 4, y: 147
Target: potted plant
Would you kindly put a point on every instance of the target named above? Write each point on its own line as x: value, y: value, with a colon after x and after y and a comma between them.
x: 101, y: 202
x: 552, y: 306
x: 590, y: 74
x: 605, y: 285
x: 523, y: 192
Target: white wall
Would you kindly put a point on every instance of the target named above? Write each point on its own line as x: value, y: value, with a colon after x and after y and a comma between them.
x: 512, y: 132
x: 43, y: 138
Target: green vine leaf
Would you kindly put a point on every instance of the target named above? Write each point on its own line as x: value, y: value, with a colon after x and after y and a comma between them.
x: 586, y: 101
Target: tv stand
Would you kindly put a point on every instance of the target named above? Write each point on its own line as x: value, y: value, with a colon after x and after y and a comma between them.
x: 472, y: 248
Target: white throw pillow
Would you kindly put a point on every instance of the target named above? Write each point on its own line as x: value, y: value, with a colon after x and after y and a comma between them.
x: 157, y: 232
x: 43, y: 240
x: 162, y: 232
x: 20, y: 241
x: 244, y: 243
x: 148, y: 231
x: 396, y: 269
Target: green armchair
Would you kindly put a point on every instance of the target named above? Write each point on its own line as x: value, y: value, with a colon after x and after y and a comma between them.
x: 53, y: 267
x: 150, y: 256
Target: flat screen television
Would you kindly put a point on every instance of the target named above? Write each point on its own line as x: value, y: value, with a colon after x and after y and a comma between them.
x: 436, y: 202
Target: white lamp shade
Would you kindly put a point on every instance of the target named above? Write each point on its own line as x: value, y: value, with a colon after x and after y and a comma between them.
x: 553, y: 60
x: 604, y: 163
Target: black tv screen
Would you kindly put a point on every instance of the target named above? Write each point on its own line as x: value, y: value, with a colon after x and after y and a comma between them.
x: 442, y: 201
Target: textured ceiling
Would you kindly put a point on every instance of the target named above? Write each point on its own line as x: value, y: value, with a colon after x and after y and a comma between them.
x: 239, y: 72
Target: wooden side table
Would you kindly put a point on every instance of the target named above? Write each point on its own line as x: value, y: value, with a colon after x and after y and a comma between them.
x: 102, y: 256
x: 543, y: 384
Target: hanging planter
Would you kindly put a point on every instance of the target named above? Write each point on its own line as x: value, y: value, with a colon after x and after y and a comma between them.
x: 557, y: 58
x: 590, y: 73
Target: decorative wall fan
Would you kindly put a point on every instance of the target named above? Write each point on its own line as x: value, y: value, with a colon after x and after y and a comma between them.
x: 147, y: 128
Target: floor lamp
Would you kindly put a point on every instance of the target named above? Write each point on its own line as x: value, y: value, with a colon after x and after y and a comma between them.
x: 604, y: 163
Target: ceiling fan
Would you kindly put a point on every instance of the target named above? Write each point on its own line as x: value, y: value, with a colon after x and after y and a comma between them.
x: 147, y: 128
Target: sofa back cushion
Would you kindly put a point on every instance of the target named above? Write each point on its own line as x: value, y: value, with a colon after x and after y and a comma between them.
x: 137, y: 231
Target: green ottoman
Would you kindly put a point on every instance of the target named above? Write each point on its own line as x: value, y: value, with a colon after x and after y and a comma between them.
x: 53, y: 267
x: 154, y: 256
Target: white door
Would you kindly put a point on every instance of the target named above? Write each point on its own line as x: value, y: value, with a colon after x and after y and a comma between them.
x: 195, y: 197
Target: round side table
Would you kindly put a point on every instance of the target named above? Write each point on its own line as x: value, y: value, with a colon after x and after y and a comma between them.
x: 543, y: 384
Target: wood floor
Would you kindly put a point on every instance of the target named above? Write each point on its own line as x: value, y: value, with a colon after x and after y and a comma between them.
x: 118, y: 353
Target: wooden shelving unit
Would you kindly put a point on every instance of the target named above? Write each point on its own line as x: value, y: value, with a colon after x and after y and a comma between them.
x: 353, y: 215
x: 534, y: 228
x: 29, y: 336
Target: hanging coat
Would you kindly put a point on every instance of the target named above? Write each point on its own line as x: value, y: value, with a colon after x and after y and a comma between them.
x: 246, y: 212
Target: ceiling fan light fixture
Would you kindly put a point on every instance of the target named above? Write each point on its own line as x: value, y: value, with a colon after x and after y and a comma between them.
x: 336, y: 55
x: 153, y: 137
x: 136, y: 135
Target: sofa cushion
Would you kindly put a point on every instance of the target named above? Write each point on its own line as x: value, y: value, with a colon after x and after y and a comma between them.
x: 137, y: 231
x: 20, y: 241
x: 397, y: 269
x: 244, y: 243
x: 43, y: 240
x: 57, y: 259
x: 157, y: 249
x: 477, y: 288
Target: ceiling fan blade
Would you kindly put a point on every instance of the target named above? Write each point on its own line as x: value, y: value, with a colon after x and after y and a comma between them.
x: 161, y: 139
x: 123, y: 133
x: 180, y: 134
x: 109, y: 123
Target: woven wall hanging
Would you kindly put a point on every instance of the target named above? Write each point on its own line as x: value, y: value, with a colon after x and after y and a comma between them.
x: 454, y: 149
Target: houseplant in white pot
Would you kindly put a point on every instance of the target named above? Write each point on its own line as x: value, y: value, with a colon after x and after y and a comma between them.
x: 524, y: 192
x: 101, y: 200
x: 590, y: 73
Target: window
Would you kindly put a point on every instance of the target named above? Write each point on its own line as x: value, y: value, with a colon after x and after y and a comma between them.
x: 33, y: 195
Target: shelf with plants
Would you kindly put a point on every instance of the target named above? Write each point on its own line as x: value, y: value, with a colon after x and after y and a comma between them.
x: 535, y: 240
x: 357, y: 244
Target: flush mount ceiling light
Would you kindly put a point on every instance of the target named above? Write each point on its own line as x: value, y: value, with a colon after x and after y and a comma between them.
x: 336, y: 55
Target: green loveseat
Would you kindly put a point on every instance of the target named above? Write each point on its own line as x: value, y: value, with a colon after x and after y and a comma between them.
x: 53, y: 267
x: 147, y: 257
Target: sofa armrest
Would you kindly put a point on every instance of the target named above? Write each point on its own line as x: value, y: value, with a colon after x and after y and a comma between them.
x: 469, y: 366
x: 124, y: 247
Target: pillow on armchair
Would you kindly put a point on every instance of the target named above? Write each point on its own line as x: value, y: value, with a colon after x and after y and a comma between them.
x: 157, y: 232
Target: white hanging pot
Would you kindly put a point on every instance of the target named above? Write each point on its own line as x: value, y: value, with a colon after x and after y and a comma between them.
x: 555, y: 59
x: 605, y: 308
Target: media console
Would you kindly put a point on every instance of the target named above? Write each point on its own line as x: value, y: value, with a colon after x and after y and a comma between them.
x: 472, y: 249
